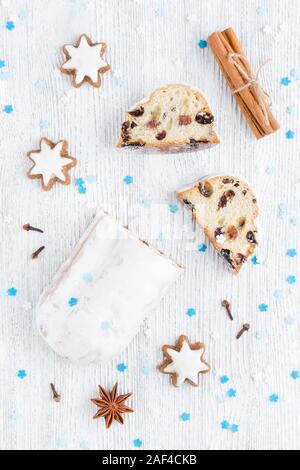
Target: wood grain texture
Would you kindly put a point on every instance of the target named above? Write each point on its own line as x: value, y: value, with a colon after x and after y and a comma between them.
x: 149, y: 47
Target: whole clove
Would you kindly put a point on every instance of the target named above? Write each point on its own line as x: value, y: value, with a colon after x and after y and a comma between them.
x: 29, y: 228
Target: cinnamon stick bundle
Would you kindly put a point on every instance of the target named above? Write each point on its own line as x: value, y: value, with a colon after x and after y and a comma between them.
x: 251, y: 99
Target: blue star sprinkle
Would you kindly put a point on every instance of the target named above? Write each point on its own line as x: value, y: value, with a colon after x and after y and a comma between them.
x: 44, y: 124
x: 202, y: 248
x: 91, y: 179
x: 225, y: 425
x: 261, y: 10
x: 80, y: 184
x: 292, y: 252
x: 278, y: 294
x: 259, y: 335
x: 202, y: 44
x: 295, y: 73
x: 274, y: 398
x: 254, y: 260
x: 290, y: 320
x: 8, y: 109
x: 173, y: 208
x: 128, y: 180
x: 10, y: 25
x: 12, y: 292
x: 159, y: 12
x: 87, y: 277
x: 191, y: 312
x: 295, y: 374
x: 290, y: 109
x: 185, y: 416
x: 40, y: 84
x: 234, y: 428
x: 291, y: 279
x: 73, y: 301
x: 147, y: 204
x: 121, y: 367
x: 231, y: 393
x: 23, y: 15
x: 22, y: 374
x: 295, y: 221
x: 290, y: 134
x: 2, y: 64
x: 106, y: 325
x: 137, y: 443
x: 263, y: 307
x: 81, y: 189
x: 285, y: 81
x: 224, y: 379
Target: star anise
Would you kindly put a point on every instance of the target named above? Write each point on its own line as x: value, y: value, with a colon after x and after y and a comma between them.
x: 111, y: 405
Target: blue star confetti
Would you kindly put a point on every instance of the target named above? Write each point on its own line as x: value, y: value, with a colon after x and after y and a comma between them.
x: 121, y: 367
x: 137, y: 443
x: 191, y: 312
x: 254, y: 260
x: 225, y: 425
x: 106, y: 325
x: 22, y: 374
x: 285, y: 81
x: 185, y: 416
x: 290, y: 135
x: 73, y: 301
x: 128, y: 180
x: 295, y: 374
x: 173, y: 208
x: 8, y: 109
x: 10, y: 25
x: 263, y: 307
x: 234, y: 428
x: 274, y: 398
x: 87, y: 277
x: 292, y: 252
x: 202, y: 248
x: 282, y: 211
x: 261, y: 10
x: 291, y: 280
x: 2, y: 64
x: 80, y: 184
x: 146, y: 370
x: 12, y: 292
x: 224, y: 379
x: 202, y: 44
x: 231, y: 393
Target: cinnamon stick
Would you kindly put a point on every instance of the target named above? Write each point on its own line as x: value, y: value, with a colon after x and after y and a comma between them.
x: 255, y: 108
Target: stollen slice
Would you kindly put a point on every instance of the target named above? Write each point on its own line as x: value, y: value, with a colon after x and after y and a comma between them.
x: 226, y: 208
x: 175, y: 118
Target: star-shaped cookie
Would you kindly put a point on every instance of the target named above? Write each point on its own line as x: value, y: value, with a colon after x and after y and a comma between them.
x: 184, y: 362
x: 85, y: 62
x: 51, y: 163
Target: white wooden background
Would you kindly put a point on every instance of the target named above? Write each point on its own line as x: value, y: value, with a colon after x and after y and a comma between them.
x: 150, y: 43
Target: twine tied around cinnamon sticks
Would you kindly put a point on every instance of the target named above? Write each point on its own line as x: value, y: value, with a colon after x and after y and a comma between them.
x: 244, y: 84
x: 251, y: 81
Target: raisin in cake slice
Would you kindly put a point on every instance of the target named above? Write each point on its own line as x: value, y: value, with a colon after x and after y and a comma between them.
x: 226, y: 209
x: 175, y: 118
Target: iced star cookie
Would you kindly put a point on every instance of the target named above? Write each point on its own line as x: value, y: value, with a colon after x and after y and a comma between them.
x: 226, y: 208
x: 175, y: 118
x: 85, y: 62
x: 51, y: 163
x: 184, y: 362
